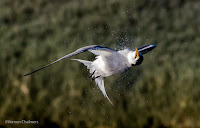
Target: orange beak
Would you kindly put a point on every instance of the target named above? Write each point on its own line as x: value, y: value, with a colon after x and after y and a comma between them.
x: 136, y: 53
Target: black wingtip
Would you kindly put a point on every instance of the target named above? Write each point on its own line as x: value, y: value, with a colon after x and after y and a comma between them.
x: 28, y: 74
x: 36, y: 70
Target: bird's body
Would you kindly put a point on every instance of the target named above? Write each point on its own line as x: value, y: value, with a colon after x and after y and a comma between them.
x: 107, y: 62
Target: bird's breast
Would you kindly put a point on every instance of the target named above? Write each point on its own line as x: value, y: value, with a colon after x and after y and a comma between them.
x: 109, y: 65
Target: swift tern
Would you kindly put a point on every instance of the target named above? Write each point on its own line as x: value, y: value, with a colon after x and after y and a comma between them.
x: 108, y: 62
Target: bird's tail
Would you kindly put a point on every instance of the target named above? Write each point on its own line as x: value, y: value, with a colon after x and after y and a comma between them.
x: 99, y: 80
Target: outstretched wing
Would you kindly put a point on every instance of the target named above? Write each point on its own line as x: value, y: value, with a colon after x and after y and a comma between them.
x: 100, y: 82
x: 95, y: 49
x: 146, y: 48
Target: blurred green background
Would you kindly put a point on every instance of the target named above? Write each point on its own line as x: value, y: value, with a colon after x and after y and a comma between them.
x: 163, y: 92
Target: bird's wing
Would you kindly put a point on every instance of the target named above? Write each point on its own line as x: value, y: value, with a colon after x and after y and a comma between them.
x: 101, y: 50
x: 100, y: 82
x: 146, y: 48
x: 95, y: 49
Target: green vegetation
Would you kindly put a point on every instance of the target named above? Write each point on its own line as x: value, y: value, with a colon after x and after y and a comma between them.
x: 164, y: 91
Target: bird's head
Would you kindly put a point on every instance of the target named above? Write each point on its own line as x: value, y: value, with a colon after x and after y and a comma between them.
x: 135, y: 58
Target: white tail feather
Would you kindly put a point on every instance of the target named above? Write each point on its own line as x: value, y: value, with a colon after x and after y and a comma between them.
x: 99, y: 81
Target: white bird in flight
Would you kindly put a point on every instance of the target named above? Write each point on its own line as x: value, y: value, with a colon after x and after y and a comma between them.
x: 108, y: 62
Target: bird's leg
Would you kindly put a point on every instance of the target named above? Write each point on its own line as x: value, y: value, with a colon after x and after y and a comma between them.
x: 95, y: 77
x: 92, y: 74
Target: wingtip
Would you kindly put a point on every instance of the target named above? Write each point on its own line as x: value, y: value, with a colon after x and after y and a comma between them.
x: 25, y: 75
